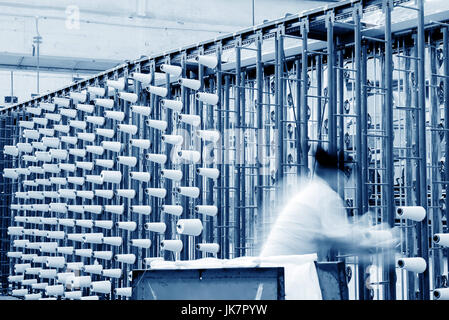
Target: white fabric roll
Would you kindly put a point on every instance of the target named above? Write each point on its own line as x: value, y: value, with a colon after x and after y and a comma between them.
x: 208, y: 98
x: 28, y: 282
x: 101, y: 287
x: 76, y: 208
x: 86, y: 136
x: 175, y: 105
x: 126, y: 225
x: 192, y: 192
x: 29, y: 158
x: 207, y: 210
x: 115, y: 209
x: 55, y: 262
x: 78, y: 96
x: 37, y: 170
x: 76, y: 180
x: 15, y: 231
x: 125, y: 258
x: 78, y: 152
x: 171, y: 69
x: 51, y: 221
x: 144, y: 78
x: 56, y: 290
x: 140, y: 143
x: 41, y: 207
x: 39, y: 145
x: 142, y: 110
x: 21, y: 267
x: 43, y: 156
x: 105, y: 103
x: 211, y: 173
x: 80, y: 282
x: 417, y: 265
x: 83, y: 252
x: 208, y: 61
x: 11, y: 151
x: 113, y: 241
x: 414, y: 213
x: 190, y: 83
x: 93, y: 268
x: 104, y: 255
x: 19, y: 292
x: 115, y: 115
x: 53, y: 116
x: 116, y: 84
x: 107, y: 194
x: 33, y: 271
x: 157, y: 158
x: 156, y: 192
x: 58, y: 207
x: 70, y: 167
x: 127, y: 96
x: 82, y: 125
x: 58, y: 181
x: 40, y: 121
x: 175, y: 210
x: 126, y: 193
x: 15, y: 278
x: 108, y: 133
x: 87, y: 108
x: 159, y: 91
x: 40, y: 259
x: 90, y: 298
x: 97, y: 91
x: 172, y: 139
x: 145, y: 210
x: 23, y: 171
x: 127, y: 128
x: 29, y: 256
x: 208, y: 135
x: 191, y: 227
x: 93, y: 238
x: 39, y: 286
x: 441, y: 239
x: 61, y: 128
x: 73, y: 295
x: 46, y: 132
x: 105, y: 163
x: 127, y: 161
x: 69, y: 140
x: 57, y: 235
x: 87, y: 194
x: 21, y: 195
x: 50, y: 142
x: 104, y: 224
x: 111, y: 176
x: 95, y: 209
x: 191, y: 119
x: 99, y: 121
x: 111, y: 273
x: 67, y: 193
x: 62, y: 102
x: 38, y: 195
x: 48, y: 273
x: 10, y: 173
x: 25, y: 147
x: 59, y: 154
x: 26, y: 124
x: 69, y: 113
x: 140, y: 176
x: 47, y: 106
x: 124, y: 292
x: 172, y: 245
x: 141, y: 243
x: 95, y: 150
x: 190, y: 155
x: 114, y: 146
x: 84, y: 223
x: 157, y: 124
x: 14, y: 254
x: 65, y: 250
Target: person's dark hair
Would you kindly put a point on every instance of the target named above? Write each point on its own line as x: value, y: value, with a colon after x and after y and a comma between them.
x: 326, y: 160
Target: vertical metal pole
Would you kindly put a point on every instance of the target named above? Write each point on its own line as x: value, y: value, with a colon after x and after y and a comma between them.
x: 167, y: 182
x: 220, y: 116
x: 238, y: 146
x: 319, y: 90
x: 304, y: 101
x: 280, y: 104
x: 424, y: 240
x: 226, y: 158
x: 341, y: 119
x: 243, y: 166
x: 260, y: 130
x: 332, y: 102
x: 446, y: 119
x: 360, y: 112
x: 389, y: 156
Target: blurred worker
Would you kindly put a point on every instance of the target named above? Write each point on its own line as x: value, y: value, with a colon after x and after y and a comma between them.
x: 314, y: 220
